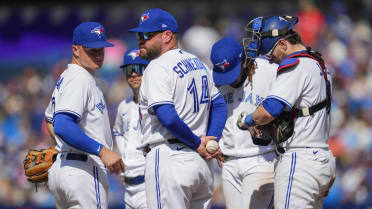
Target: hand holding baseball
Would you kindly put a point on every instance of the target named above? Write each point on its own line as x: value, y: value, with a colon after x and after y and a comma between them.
x: 212, y: 146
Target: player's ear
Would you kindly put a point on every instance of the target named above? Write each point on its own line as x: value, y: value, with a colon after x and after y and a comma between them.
x: 167, y: 36
x: 75, y: 50
x: 283, y: 44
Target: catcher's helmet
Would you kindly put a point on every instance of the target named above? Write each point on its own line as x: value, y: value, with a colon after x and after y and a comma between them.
x: 262, y: 33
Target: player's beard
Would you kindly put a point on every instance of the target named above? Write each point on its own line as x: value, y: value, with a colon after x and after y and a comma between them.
x: 151, y: 52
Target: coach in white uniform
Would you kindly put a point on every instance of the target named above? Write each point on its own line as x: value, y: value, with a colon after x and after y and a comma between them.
x: 180, y: 110
x: 306, y: 168
x: 127, y: 133
x: 77, y: 110
x: 248, y: 173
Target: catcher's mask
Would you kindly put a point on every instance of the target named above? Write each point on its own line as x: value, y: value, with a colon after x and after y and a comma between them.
x: 262, y: 33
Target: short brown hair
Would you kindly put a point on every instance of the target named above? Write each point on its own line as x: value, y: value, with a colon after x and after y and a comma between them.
x: 295, y: 38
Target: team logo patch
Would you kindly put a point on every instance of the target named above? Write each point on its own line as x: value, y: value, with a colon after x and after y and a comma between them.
x: 134, y: 54
x: 97, y: 30
x: 144, y: 17
x: 222, y: 65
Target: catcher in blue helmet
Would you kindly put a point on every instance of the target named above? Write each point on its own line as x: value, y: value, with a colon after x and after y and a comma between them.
x: 295, y: 114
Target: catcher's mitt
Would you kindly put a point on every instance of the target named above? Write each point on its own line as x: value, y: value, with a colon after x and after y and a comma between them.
x: 37, y: 164
x: 280, y: 129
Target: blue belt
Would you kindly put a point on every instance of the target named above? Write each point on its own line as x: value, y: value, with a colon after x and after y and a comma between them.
x: 134, y: 180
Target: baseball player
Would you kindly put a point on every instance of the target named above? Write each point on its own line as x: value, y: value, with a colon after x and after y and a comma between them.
x: 77, y: 110
x: 302, y: 92
x: 248, y: 173
x: 127, y: 133
x: 180, y: 110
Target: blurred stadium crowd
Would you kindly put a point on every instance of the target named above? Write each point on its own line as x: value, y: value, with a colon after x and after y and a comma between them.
x: 35, y: 47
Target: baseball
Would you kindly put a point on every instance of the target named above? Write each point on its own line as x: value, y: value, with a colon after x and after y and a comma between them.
x: 212, y: 146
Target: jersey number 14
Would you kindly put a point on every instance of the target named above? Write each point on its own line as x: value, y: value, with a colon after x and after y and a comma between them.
x: 204, y: 99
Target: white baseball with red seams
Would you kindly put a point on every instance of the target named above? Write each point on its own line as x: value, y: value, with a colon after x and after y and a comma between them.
x: 212, y: 146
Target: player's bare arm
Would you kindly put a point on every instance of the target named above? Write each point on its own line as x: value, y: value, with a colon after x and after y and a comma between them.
x: 261, y: 116
x: 112, y: 160
x: 50, y: 129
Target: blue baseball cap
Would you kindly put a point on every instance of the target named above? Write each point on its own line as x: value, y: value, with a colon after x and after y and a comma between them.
x: 131, y: 57
x: 91, y: 35
x: 156, y: 20
x: 226, y: 57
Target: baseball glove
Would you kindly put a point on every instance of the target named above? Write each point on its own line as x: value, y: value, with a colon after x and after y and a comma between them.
x: 37, y: 164
x: 280, y: 129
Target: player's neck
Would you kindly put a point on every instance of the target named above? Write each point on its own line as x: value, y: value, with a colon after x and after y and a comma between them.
x: 135, y: 95
x: 77, y: 62
x: 295, y: 48
x: 172, y: 45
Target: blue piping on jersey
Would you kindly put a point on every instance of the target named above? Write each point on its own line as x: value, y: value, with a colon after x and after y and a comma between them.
x: 158, y: 197
x: 290, y: 181
x: 215, y: 96
x: 151, y: 110
x: 66, y: 128
x: 76, y: 116
x: 280, y: 99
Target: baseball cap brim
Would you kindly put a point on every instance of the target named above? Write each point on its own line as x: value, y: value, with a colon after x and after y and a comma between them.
x: 98, y: 44
x: 226, y: 78
x: 143, y: 29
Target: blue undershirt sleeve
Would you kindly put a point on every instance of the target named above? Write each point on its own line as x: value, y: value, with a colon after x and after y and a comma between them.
x: 169, y: 118
x: 273, y: 106
x: 67, y: 129
x: 217, y: 117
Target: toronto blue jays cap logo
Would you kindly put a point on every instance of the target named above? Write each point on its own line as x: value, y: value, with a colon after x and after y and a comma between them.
x: 224, y: 64
x: 97, y: 30
x: 145, y: 17
x: 134, y: 54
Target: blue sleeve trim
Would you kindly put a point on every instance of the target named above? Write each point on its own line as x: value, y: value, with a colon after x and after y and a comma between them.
x: 215, y: 96
x: 217, y: 117
x: 76, y: 116
x: 150, y: 109
x: 273, y: 106
x: 281, y: 99
x: 169, y: 118
x: 67, y: 129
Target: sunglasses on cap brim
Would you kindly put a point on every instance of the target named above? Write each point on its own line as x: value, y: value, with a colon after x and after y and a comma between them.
x: 129, y: 69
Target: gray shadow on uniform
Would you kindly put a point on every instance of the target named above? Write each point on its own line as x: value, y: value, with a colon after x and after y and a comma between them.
x: 258, y: 196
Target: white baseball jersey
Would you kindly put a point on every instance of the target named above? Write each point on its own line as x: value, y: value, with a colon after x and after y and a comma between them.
x: 77, y: 93
x: 179, y: 78
x: 77, y: 183
x: 127, y: 135
x: 236, y: 142
x: 304, y: 86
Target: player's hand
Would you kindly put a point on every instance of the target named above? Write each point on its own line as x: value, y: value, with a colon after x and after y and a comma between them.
x: 202, y: 150
x: 112, y: 160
